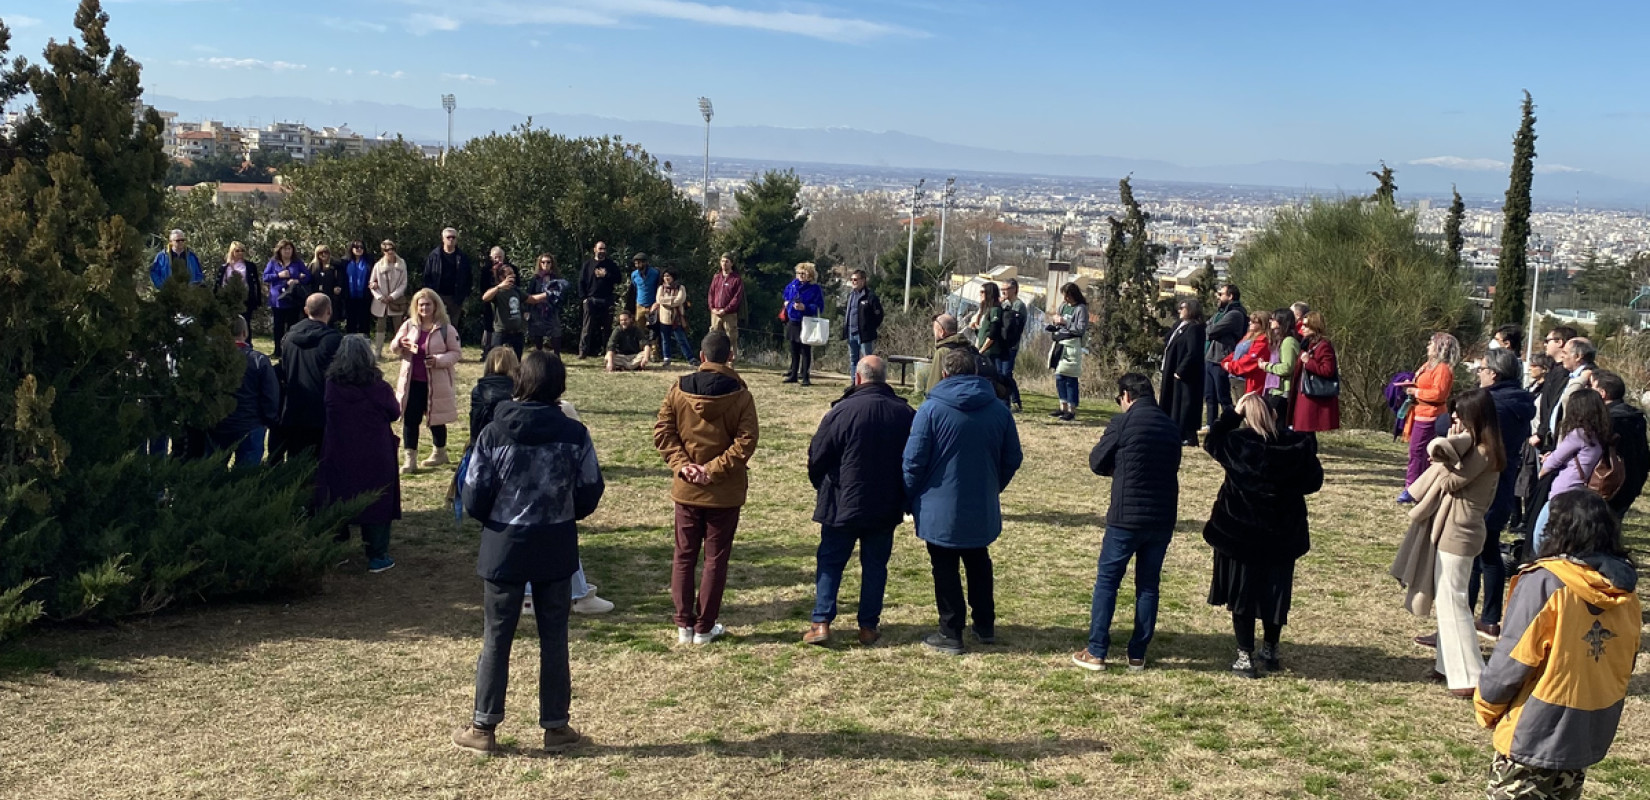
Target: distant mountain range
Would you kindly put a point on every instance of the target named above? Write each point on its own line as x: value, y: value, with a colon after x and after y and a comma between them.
x: 1478, y: 179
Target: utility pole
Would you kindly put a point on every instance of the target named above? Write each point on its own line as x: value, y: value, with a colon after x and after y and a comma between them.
x: 911, y: 239
x: 448, y: 102
x: 707, y: 112
x: 945, y: 203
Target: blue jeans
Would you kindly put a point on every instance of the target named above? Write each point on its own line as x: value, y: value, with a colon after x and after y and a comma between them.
x: 836, y: 545
x: 671, y: 334
x: 1116, y: 549
x: 1066, y: 387
x: 1005, y: 373
x: 249, y: 449
x: 857, y: 349
x: 1539, y: 528
x: 1217, y: 391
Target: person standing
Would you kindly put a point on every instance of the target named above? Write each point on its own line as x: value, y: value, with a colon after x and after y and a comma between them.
x: 1068, y: 329
x: 1221, y: 336
x: 529, y: 533
x: 962, y: 454
x: 643, y: 293
x: 357, y: 294
x: 235, y: 266
x: 257, y: 405
x: 803, y: 299
x: 306, y: 352
x: 1140, y: 452
x: 331, y: 281
x: 447, y: 273
x: 507, y: 307
x: 176, y: 259
x: 1627, y: 426
x: 670, y: 309
x: 1430, y: 391
x: 1314, y: 413
x: 1514, y: 410
x: 986, y: 324
x: 1249, y: 358
x: 1583, y: 443
x: 429, y: 349
x: 862, y: 317
x: 707, y: 432
x: 1554, y: 688
x: 288, y: 281
x: 1578, y: 357
x: 545, y: 294
x: 1181, y: 384
x: 499, y: 270
x: 389, y: 293
x: 597, y: 277
x: 854, y: 464
x: 1014, y: 328
x: 1283, y: 345
x: 725, y: 298
x: 947, y: 337
x: 358, y: 453
x: 1258, y: 527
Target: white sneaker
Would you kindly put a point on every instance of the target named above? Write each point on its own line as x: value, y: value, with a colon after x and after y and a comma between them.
x: 684, y: 635
x: 591, y: 604
x: 707, y: 638
x: 527, y: 606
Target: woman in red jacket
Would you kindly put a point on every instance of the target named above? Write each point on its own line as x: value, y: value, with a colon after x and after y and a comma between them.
x: 1248, y: 360
x: 1313, y: 414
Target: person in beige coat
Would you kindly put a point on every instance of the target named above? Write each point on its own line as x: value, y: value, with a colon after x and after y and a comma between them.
x: 1446, y: 533
x: 429, y: 349
x: 388, y: 286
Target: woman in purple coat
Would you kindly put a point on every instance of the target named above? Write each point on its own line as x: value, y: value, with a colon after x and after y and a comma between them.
x: 358, y: 452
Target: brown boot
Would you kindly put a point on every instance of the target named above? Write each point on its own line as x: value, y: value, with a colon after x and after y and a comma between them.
x: 869, y: 636
x: 475, y: 740
x: 557, y: 740
x: 818, y: 633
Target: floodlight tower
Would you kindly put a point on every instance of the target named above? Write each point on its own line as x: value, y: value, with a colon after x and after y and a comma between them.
x: 707, y: 112
x: 945, y: 204
x: 448, y: 102
x: 911, y: 239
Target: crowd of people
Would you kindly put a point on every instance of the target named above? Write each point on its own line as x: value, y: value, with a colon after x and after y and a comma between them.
x: 1551, y: 448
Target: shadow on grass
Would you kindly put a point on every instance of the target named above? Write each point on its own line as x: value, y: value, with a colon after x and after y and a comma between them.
x: 852, y: 743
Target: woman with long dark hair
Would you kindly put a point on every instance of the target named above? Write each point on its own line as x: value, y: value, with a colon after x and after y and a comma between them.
x: 1068, y: 329
x: 357, y: 291
x: 288, y: 281
x: 1283, y: 345
x: 1583, y: 443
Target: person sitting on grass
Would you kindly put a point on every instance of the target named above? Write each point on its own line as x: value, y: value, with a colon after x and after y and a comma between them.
x: 627, y: 347
x: 532, y: 475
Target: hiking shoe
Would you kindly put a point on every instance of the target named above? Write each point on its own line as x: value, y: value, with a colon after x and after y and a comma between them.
x: 940, y: 643
x: 1057, y: 414
x: 527, y: 606
x: 869, y: 636
x: 817, y: 633
x: 591, y: 604
x: 380, y: 564
x: 1137, y: 665
x: 559, y: 739
x: 1068, y: 416
x: 1267, y: 657
x: 1427, y: 639
x: 709, y: 636
x: 1083, y: 658
x: 985, y: 637
x: 475, y: 740
x: 684, y: 635
x: 1244, y: 666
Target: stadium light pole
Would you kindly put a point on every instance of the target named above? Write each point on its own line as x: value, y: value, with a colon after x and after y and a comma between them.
x: 448, y: 102
x: 707, y: 112
x: 911, y: 239
x: 945, y: 203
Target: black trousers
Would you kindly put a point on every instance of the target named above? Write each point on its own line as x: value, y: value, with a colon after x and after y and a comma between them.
x: 358, y: 315
x: 288, y: 440
x: 598, y: 325
x: 948, y: 589
x: 281, y: 319
x: 418, y: 404
x: 802, y: 360
x: 501, y: 602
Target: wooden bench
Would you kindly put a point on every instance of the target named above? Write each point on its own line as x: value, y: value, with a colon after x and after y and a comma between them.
x: 904, y: 362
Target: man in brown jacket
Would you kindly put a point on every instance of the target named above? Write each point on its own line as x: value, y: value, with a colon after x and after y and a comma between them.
x: 707, y: 433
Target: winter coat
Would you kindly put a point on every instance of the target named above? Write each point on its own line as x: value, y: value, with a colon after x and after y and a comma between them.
x: 306, y: 352
x: 295, y: 296
x: 1554, y: 688
x: 1224, y: 331
x: 1250, y: 364
x: 929, y: 374
x: 533, y: 473
x: 358, y: 451
x: 389, y: 287
x: 727, y: 292
x: 1627, y: 424
x: 1574, y: 460
x: 253, y: 287
x: 1068, y: 340
x: 357, y: 275
x: 708, y: 418
x: 1182, y: 397
x: 989, y: 328
x: 1285, y: 360
x: 809, y: 295
x: 1260, y: 510
x: 1514, y: 408
x: 332, y: 281
x: 867, y: 310
x: 963, y: 451
x: 1551, y: 388
x: 160, y: 270
x: 1432, y: 390
x: 444, y: 346
x: 1140, y: 452
x: 1573, y: 382
x: 434, y: 267
x: 1451, y: 498
x: 1314, y: 414
x: 489, y: 392
x: 598, y: 287
x: 855, y: 458
x: 672, y: 304
x: 257, y: 401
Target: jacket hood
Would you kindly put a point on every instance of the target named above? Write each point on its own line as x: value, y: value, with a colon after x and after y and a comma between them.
x: 309, y: 334
x: 714, y: 407
x: 965, y: 392
x: 1602, y: 580
x: 491, y: 381
x: 529, y: 422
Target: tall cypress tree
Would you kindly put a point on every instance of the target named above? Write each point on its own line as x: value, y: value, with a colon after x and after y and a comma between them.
x: 1132, y: 310
x: 1511, y: 275
x: 1452, y: 232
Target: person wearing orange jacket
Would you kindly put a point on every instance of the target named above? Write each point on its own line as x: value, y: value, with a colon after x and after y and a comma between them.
x: 1430, y: 391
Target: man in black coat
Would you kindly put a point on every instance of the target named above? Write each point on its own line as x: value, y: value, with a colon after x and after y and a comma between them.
x: 1627, y: 423
x: 854, y: 463
x: 862, y: 317
x: 1514, y: 409
x: 1182, y: 379
x: 597, y: 277
x: 447, y: 271
x: 306, y: 352
x: 1225, y: 328
x: 1140, y: 452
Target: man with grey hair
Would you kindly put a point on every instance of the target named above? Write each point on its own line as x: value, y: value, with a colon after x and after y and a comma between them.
x: 176, y: 259
x: 1014, y: 328
x: 1500, y: 375
x: 854, y: 465
x: 947, y: 337
x: 1578, y: 358
x: 447, y: 271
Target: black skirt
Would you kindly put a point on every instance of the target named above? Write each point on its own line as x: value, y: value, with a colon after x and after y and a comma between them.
x: 1258, y: 589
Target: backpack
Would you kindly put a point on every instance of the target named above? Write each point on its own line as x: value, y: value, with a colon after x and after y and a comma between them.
x: 1608, y: 474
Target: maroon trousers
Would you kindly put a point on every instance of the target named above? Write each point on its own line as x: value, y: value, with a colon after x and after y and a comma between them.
x: 710, y: 529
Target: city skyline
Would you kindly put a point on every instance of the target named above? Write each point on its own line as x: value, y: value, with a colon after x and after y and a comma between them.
x: 1203, y: 84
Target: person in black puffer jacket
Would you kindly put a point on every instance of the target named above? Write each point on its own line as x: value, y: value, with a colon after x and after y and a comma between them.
x: 1258, y: 525
x: 498, y: 382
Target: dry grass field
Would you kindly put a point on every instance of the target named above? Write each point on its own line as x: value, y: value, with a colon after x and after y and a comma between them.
x: 353, y: 693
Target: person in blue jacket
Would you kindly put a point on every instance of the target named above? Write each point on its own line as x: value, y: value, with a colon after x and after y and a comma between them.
x: 173, y: 259
x: 803, y: 298
x: 963, y: 451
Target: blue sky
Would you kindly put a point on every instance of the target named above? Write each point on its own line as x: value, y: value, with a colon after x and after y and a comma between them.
x: 1190, y: 82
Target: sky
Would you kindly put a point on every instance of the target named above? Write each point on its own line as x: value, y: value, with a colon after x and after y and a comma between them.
x: 1191, y: 82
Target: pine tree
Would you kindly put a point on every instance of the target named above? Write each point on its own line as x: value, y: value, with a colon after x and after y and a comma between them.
x: 1386, y: 190
x: 1132, y: 310
x: 1453, y: 242
x: 766, y: 238
x: 1512, y: 274
x: 1206, y: 283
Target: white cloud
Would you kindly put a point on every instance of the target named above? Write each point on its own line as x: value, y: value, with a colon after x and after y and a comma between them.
x: 20, y: 21
x: 608, y: 13
x: 1457, y: 162
x: 396, y: 75
x: 1556, y: 168
x: 354, y: 25
x: 222, y: 62
x: 466, y: 77
x: 422, y: 23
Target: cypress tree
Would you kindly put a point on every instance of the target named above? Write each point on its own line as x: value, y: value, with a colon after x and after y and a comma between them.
x: 1452, y: 232
x: 1132, y: 310
x: 1511, y: 275
x: 1386, y: 190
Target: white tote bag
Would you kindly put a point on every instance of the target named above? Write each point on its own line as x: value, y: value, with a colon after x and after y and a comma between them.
x: 816, y: 330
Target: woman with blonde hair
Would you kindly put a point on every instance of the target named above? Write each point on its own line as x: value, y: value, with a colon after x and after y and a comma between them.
x: 1430, y: 391
x: 388, y: 285
x: 803, y: 298
x: 429, y: 349
x: 1258, y: 527
x: 235, y: 265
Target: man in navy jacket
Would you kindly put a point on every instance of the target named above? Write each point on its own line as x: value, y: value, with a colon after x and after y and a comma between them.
x: 854, y: 464
x: 1140, y: 452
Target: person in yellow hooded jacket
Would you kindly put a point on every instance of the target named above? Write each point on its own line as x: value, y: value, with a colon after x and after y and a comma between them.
x: 1554, y: 689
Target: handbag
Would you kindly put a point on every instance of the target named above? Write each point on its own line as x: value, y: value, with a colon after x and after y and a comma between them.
x: 816, y: 331
x: 1608, y: 474
x: 1317, y: 386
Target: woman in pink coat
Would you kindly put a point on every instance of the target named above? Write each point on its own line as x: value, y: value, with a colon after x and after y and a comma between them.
x: 429, y: 349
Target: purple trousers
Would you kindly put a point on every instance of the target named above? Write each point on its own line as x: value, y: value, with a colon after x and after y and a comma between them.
x: 1421, y: 433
